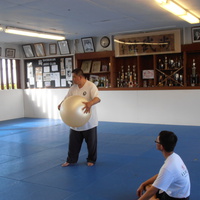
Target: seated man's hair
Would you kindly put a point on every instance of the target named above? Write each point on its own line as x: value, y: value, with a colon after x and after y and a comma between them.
x: 168, y: 140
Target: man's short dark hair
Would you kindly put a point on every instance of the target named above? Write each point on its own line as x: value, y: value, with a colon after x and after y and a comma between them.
x: 78, y: 72
x: 168, y: 140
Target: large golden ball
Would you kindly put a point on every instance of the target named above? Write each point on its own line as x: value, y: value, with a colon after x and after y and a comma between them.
x: 71, y: 111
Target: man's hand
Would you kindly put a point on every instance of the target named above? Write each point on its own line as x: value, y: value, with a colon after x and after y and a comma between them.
x: 59, y: 106
x: 87, y: 107
x: 140, y: 190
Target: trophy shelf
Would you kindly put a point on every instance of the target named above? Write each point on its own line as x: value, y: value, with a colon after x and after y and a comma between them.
x: 176, y: 76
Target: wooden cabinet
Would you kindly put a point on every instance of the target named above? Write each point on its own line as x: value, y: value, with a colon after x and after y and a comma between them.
x: 161, y: 71
x: 192, y: 64
x: 169, y: 70
x: 106, y: 77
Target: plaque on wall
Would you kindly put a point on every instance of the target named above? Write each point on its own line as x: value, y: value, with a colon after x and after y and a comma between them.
x: 148, y: 43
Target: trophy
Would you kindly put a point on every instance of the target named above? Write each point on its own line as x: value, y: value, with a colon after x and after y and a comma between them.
x: 130, y: 83
x: 194, y: 75
x: 176, y: 77
x: 134, y: 76
x: 181, y: 79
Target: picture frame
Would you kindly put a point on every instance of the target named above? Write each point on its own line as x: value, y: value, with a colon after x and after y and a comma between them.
x: 39, y: 49
x: 28, y: 51
x: 10, y: 53
x: 88, y: 45
x: 104, y: 68
x: 52, y: 48
x: 86, y: 66
x: 96, y: 66
x: 195, y: 34
x: 94, y: 79
x: 63, y: 47
x: 148, y: 74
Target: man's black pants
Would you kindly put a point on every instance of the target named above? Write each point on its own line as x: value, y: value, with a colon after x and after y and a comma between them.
x: 75, y: 142
x: 164, y: 196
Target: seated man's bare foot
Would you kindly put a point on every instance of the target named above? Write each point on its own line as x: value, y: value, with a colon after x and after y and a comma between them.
x: 65, y: 164
x: 89, y: 164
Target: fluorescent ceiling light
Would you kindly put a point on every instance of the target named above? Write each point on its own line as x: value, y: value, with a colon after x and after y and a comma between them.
x: 173, y: 8
x: 176, y: 9
x: 30, y: 33
x: 1, y: 28
x: 190, y: 18
x: 161, y: 1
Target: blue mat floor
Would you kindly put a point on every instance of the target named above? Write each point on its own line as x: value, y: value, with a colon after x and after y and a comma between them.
x: 32, y: 151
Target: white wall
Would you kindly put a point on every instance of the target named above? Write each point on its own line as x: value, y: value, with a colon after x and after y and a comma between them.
x: 42, y: 103
x: 179, y: 107
x: 12, y: 104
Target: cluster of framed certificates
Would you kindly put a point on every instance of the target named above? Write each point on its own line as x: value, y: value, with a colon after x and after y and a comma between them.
x: 89, y: 66
x: 38, y: 49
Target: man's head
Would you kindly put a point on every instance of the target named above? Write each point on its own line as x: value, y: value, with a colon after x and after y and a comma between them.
x: 168, y: 140
x: 78, y: 76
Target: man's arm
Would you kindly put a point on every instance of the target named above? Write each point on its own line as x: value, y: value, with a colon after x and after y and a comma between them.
x: 149, y: 193
x: 143, y: 186
x: 89, y: 104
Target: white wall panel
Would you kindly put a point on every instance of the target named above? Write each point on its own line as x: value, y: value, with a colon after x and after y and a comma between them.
x: 11, y: 104
x: 180, y: 107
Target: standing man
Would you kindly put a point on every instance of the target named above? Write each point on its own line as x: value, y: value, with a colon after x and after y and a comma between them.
x: 87, y: 89
x: 173, y: 181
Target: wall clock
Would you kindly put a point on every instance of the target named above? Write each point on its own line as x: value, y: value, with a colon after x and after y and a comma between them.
x: 105, y: 42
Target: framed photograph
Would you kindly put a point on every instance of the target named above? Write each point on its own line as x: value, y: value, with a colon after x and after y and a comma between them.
x: 104, y: 68
x: 10, y: 53
x: 96, y: 66
x: 28, y: 51
x: 39, y: 49
x: 88, y: 45
x: 196, y: 34
x: 63, y: 47
x: 94, y: 79
x: 86, y: 66
x: 53, y: 49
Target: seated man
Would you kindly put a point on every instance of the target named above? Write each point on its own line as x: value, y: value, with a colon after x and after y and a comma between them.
x: 173, y: 181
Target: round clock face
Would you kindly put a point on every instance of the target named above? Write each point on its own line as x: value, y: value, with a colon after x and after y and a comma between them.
x: 105, y: 42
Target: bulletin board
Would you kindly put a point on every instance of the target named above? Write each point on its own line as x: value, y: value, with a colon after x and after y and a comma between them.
x: 49, y: 72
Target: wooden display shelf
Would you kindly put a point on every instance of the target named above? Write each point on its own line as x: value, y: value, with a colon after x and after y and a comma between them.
x: 148, y: 62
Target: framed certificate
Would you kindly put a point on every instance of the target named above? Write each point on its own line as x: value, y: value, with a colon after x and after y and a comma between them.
x: 86, y: 66
x: 28, y: 51
x: 96, y: 66
x: 39, y: 50
x: 53, y: 49
x: 63, y: 47
x: 10, y: 53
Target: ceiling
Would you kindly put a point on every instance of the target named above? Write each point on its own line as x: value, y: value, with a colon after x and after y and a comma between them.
x: 88, y: 18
